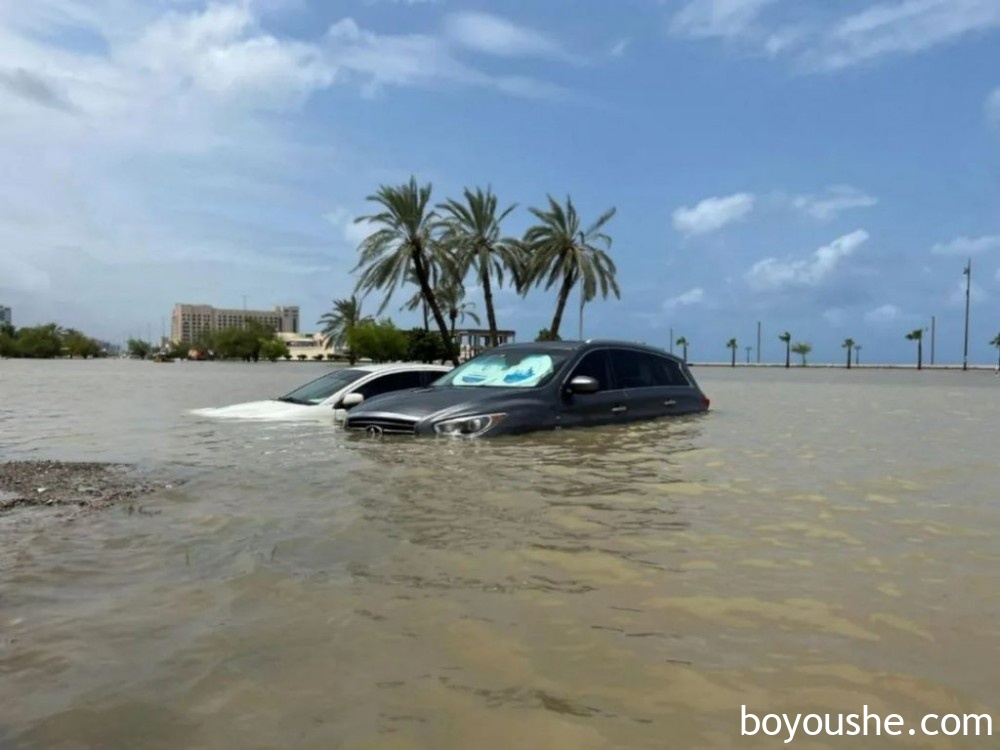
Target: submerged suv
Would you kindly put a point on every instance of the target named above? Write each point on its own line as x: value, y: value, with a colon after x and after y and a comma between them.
x: 519, y: 388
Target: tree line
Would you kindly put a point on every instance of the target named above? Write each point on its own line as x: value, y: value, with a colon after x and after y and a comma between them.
x: 435, y: 249
x: 803, y: 348
x: 48, y: 342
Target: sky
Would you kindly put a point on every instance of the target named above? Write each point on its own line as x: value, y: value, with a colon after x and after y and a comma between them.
x: 825, y: 168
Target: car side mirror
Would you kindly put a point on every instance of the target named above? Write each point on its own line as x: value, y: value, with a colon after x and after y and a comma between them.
x: 584, y: 384
x: 351, y: 399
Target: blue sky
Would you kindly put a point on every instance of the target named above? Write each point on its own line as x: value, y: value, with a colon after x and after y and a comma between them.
x: 825, y: 168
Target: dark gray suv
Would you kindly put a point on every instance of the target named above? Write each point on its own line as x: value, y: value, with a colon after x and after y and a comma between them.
x: 519, y: 388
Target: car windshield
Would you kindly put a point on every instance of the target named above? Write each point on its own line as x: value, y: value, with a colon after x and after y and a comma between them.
x: 320, y: 389
x: 516, y: 368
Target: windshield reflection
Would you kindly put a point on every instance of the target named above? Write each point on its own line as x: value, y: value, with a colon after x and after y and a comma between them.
x: 528, y: 368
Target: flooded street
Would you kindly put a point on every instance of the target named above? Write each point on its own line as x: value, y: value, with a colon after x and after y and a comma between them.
x: 821, y: 540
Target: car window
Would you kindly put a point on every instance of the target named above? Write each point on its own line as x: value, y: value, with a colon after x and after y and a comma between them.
x: 594, y: 365
x: 323, y: 387
x: 393, y: 381
x: 635, y: 369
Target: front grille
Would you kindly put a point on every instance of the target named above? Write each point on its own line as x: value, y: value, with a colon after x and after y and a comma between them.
x: 393, y: 425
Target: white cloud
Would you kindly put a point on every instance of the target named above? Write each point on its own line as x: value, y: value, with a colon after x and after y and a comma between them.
x: 381, y: 60
x: 835, y: 316
x: 967, y: 245
x: 956, y: 298
x: 834, y: 201
x: 903, y: 26
x: 493, y: 35
x: 718, y: 18
x: 884, y: 314
x: 770, y: 274
x: 690, y: 297
x: 992, y: 107
x: 352, y: 233
x: 619, y: 47
x: 823, y: 42
x: 712, y: 214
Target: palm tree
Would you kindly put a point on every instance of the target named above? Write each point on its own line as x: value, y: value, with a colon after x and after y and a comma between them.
x: 857, y: 353
x: 340, y: 321
x: 682, y: 341
x: 403, y: 243
x: 560, y: 251
x: 848, y: 344
x: 787, y: 338
x: 918, y: 336
x: 732, y: 345
x: 996, y: 342
x: 472, y: 230
x: 452, y: 298
x: 802, y: 349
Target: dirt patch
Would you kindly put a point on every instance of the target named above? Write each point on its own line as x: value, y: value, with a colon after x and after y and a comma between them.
x: 85, y: 486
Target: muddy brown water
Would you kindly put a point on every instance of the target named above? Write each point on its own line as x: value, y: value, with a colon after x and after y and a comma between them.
x: 820, y: 541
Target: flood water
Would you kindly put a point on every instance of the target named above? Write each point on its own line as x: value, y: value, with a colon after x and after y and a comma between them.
x: 820, y: 541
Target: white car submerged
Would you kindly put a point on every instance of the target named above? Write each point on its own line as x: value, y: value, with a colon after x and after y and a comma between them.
x: 333, y: 394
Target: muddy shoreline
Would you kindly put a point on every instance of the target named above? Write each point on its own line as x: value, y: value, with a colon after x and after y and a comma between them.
x: 83, y: 486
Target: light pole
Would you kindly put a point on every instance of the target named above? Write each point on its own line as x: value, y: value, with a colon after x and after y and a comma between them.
x: 758, y: 342
x: 749, y: 349
x: 671, y: 340
x: 968, y: 287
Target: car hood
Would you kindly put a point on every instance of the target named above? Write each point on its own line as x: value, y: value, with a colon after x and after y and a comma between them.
x: 427, y: 401
x: 266, y: 410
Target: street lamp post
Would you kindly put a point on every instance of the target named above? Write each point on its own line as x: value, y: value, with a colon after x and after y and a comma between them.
x: 749, y: 349
x: 968, y: 287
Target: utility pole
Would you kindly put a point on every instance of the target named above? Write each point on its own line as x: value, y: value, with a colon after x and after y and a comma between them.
x: 968, y: 287
x: 749, y: 349
x: 758, y: 342
x: 932, y: 338
x: 671, y: 340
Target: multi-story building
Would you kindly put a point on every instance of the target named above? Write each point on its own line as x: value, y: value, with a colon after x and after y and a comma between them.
x: 6, y: 315
x: 189, y: 322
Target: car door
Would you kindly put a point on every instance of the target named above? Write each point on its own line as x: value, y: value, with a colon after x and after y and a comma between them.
x: 655, y: 386
x: 607, y: 406
x: 386, y: 383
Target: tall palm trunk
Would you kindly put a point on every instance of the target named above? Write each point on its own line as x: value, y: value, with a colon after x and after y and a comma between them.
x: 920, y: 354
x: 685, y: 352
x: 453, y: 314
x: 733, y: 363
x: 848, y: 358
x: 788, y: 354
x: 491, y: 316
x: 425, y: 288
x: 427, y: 322
x: 564, y: 290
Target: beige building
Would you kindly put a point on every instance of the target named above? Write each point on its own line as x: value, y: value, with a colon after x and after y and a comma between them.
x: 191, y: 321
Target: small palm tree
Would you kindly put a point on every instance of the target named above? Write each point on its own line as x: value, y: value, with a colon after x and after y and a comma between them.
x: 472, y: 230
x: 452, y: 298
x: 857, y: 353
x: 918, y: 336
x: 682, y: 341
x: 848, y: 344
x: 732, y: 345
x: 996, y: 342
x: 560, y: 251
x: 340, y: 321
x: 802, y: 349
x: 404, y: 242
x: 787, y: 338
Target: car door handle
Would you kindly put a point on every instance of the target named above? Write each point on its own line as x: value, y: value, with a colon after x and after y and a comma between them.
x: 670, y: 402
x: 618, y: 409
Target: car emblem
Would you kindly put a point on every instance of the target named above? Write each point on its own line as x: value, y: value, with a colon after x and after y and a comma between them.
x: 374, y: 430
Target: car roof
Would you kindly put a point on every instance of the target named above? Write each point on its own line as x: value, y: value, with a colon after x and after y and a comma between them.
x: 400, y: 366
x: 589, y: 344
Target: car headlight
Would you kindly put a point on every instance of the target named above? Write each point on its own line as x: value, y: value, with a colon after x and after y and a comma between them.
x: 468, y: 426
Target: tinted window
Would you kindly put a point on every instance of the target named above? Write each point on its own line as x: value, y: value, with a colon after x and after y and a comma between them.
x: 593, y: 365
x: 395, y: 381
x: 635, y: 369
